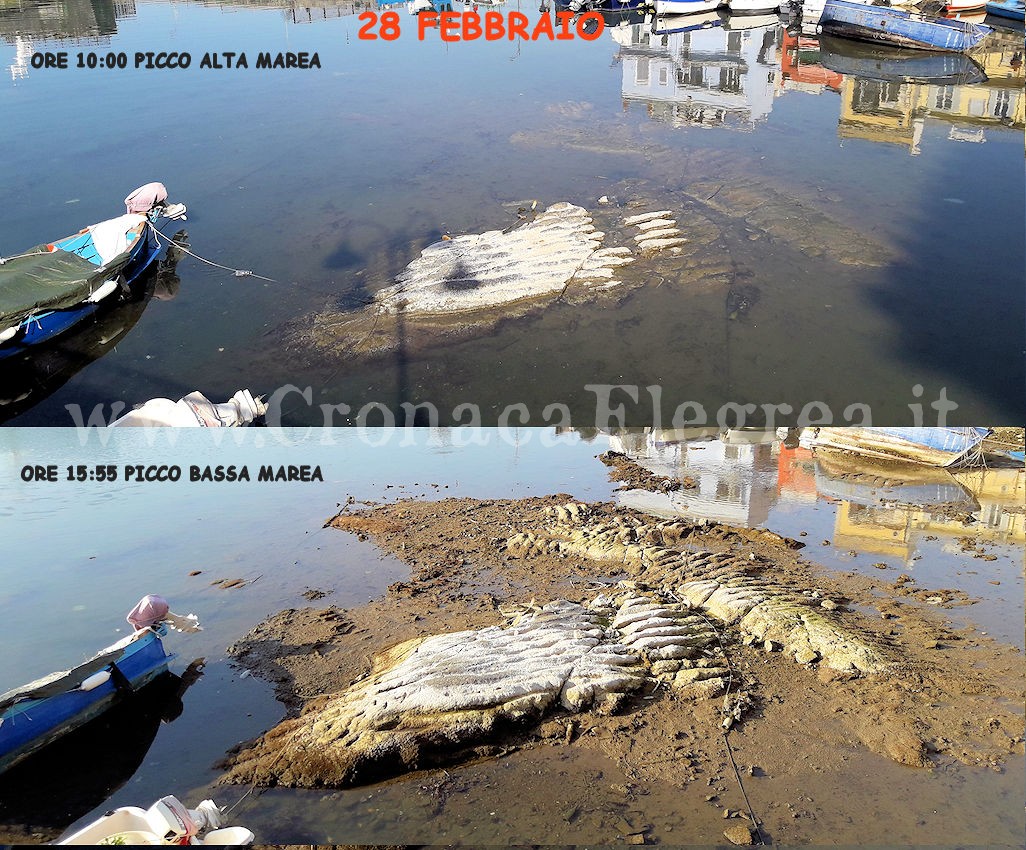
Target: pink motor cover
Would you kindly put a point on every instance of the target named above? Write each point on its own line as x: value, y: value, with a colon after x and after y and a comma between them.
x: 143, y: 199
x: 149, y: 611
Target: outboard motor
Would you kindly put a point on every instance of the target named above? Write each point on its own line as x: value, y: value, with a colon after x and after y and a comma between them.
x: 152, y: 198
x: 195, y: 411
x: 173, y: 823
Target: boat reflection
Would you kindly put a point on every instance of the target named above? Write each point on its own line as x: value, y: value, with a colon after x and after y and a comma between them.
x: 29, y: 378
x: 889, y: 97
x: 740, y: 477
x: 85, y: 767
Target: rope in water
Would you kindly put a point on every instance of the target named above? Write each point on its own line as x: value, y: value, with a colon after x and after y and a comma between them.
x: 236, y: 272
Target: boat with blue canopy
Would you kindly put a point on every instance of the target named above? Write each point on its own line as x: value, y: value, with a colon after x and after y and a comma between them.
x: 941, y: 447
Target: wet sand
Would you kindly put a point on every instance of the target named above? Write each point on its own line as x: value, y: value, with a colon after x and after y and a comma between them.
x: 816, y: 749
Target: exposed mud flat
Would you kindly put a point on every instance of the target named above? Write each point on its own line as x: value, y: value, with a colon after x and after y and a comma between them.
x: 815, y: 669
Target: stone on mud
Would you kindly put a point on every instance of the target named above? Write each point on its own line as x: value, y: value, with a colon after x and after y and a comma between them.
x: 717, y: 584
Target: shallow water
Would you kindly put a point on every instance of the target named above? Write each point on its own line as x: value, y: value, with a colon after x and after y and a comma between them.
x: 330, y: 181
x: 77, y: 557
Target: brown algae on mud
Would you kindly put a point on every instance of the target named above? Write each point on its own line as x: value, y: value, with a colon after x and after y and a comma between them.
x: 906, y: 687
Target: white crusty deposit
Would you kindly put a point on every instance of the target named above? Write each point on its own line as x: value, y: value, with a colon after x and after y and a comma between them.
x: 476, y: 271
x: 430, y: 698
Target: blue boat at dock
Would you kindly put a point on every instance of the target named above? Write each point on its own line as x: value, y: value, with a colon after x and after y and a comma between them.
x: 38, y: 713
x: 1012, y: 9
x: 52, y: 287
x: 886, y: 25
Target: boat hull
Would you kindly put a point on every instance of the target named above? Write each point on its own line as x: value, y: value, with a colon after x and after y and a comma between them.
x: 45, y: 326
x: 882, y: 25
x: 940, y: 447
x: 686, y: 7
x: 1010, y: 10
x: 751, y: 7
x: 30, y: 724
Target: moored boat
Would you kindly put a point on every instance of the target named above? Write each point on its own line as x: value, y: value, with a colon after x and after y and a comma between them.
x: 50, y: 288
x: 35, y: 714
x: 941, y: 447
x: 1014, y: 9
x: 168, y: 821
x: 752, y: 7
x: 952, y: 7
x: 686, y: 7
x: 883, y: 25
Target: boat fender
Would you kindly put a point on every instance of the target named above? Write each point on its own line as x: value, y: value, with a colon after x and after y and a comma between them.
x: 8, y: 334
x: 104, y: 289
x: 95, y: 680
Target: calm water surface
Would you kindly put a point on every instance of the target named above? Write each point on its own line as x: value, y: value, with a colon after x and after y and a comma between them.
x: 330, y: 181
x: 78, y: 556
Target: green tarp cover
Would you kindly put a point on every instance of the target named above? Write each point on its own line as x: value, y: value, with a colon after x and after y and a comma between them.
x: 49, y: 280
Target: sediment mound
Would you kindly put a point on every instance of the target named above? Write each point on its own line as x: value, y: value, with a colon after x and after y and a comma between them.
x: 477, y: 271
x: 429, y: 700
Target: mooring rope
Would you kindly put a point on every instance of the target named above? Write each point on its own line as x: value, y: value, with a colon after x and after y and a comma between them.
x: 236, y: 272
x: 729, y: 716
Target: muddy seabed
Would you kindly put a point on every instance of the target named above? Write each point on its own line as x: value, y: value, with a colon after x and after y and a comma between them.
x: 858, y: 714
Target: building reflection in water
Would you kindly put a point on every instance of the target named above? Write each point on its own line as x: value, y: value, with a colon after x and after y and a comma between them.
x: 737, y: 477
x: 25, y: 23
x: 701, y: 70
x: 713, y: 70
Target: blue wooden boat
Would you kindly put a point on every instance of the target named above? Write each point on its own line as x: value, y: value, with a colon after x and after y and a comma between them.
x: 886, y: 25
x: 1014, y: 9
x: 50, y: 288
x: 40, y: 712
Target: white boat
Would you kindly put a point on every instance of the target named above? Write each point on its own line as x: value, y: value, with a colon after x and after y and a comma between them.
x: 752, y: 7
x: 167, y: 821
x: 953, y: 6
x: 686, y: 7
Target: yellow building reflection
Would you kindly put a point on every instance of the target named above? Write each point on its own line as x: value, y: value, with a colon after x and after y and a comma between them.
x: 994, y: 498
x: 895, y: 111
